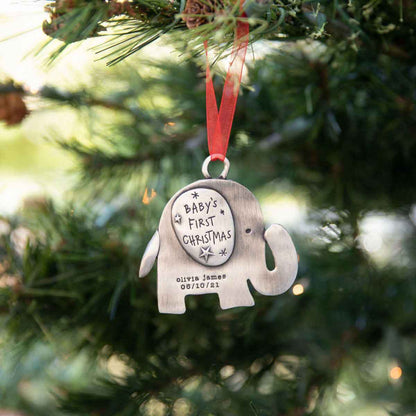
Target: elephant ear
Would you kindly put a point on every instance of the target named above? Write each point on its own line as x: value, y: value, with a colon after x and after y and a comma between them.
x: 150, y: 254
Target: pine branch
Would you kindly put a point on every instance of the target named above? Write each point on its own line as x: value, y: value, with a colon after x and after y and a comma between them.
x: 134, y: 25
x: 76, y: 99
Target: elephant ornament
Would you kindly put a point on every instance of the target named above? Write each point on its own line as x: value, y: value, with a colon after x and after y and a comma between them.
x: 211, y: 239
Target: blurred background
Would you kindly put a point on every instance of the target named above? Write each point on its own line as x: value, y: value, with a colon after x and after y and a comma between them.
x: 325, y: 137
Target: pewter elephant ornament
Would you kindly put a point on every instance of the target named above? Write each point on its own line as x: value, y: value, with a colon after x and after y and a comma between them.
x: 211, y: 239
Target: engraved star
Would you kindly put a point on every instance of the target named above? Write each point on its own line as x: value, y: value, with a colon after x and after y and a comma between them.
x: 222, y: 212
x: 195, y: 195
x: 223, y: 252
x: 177, y: 218
x: 206, y: 252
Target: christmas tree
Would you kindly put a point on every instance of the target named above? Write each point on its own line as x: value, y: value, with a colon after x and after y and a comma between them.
x: 326, y: 120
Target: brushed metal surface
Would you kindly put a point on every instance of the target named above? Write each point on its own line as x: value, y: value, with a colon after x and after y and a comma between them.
x: 180, y: 275
x: 204, y: 225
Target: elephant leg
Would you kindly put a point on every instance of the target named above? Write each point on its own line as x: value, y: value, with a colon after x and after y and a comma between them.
x: 233, y: 297
x: 170, y: 301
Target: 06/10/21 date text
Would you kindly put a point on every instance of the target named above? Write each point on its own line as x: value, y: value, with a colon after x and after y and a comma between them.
x: 207, y: 281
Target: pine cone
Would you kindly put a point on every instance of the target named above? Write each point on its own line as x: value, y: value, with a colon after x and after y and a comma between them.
x: 60, y: 7
x: 64, y: 6
x: 50, y: 28
x: 202, y: 8
x: 116, y: 8
x: 59, y: 15
x: 12, y: 108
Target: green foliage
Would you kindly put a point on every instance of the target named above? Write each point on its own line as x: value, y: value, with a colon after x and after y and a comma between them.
x: 332, y: 118
x: 356, y: 114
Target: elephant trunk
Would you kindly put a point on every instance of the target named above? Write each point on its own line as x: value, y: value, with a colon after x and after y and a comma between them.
x: 277, y: 281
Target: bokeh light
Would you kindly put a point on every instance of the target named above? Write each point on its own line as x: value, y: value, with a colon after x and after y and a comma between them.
x: 298, y: 289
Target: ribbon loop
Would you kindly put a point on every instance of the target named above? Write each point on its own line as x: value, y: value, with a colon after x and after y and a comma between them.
x: 219, y: 122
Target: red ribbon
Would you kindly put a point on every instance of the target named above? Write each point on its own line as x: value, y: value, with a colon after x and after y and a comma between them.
x: 219, y: 123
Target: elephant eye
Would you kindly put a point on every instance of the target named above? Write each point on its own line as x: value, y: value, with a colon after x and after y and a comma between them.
x: 248, y: 230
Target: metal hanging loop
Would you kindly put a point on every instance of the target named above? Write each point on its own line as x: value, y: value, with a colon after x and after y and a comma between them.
x: 224, y: 172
